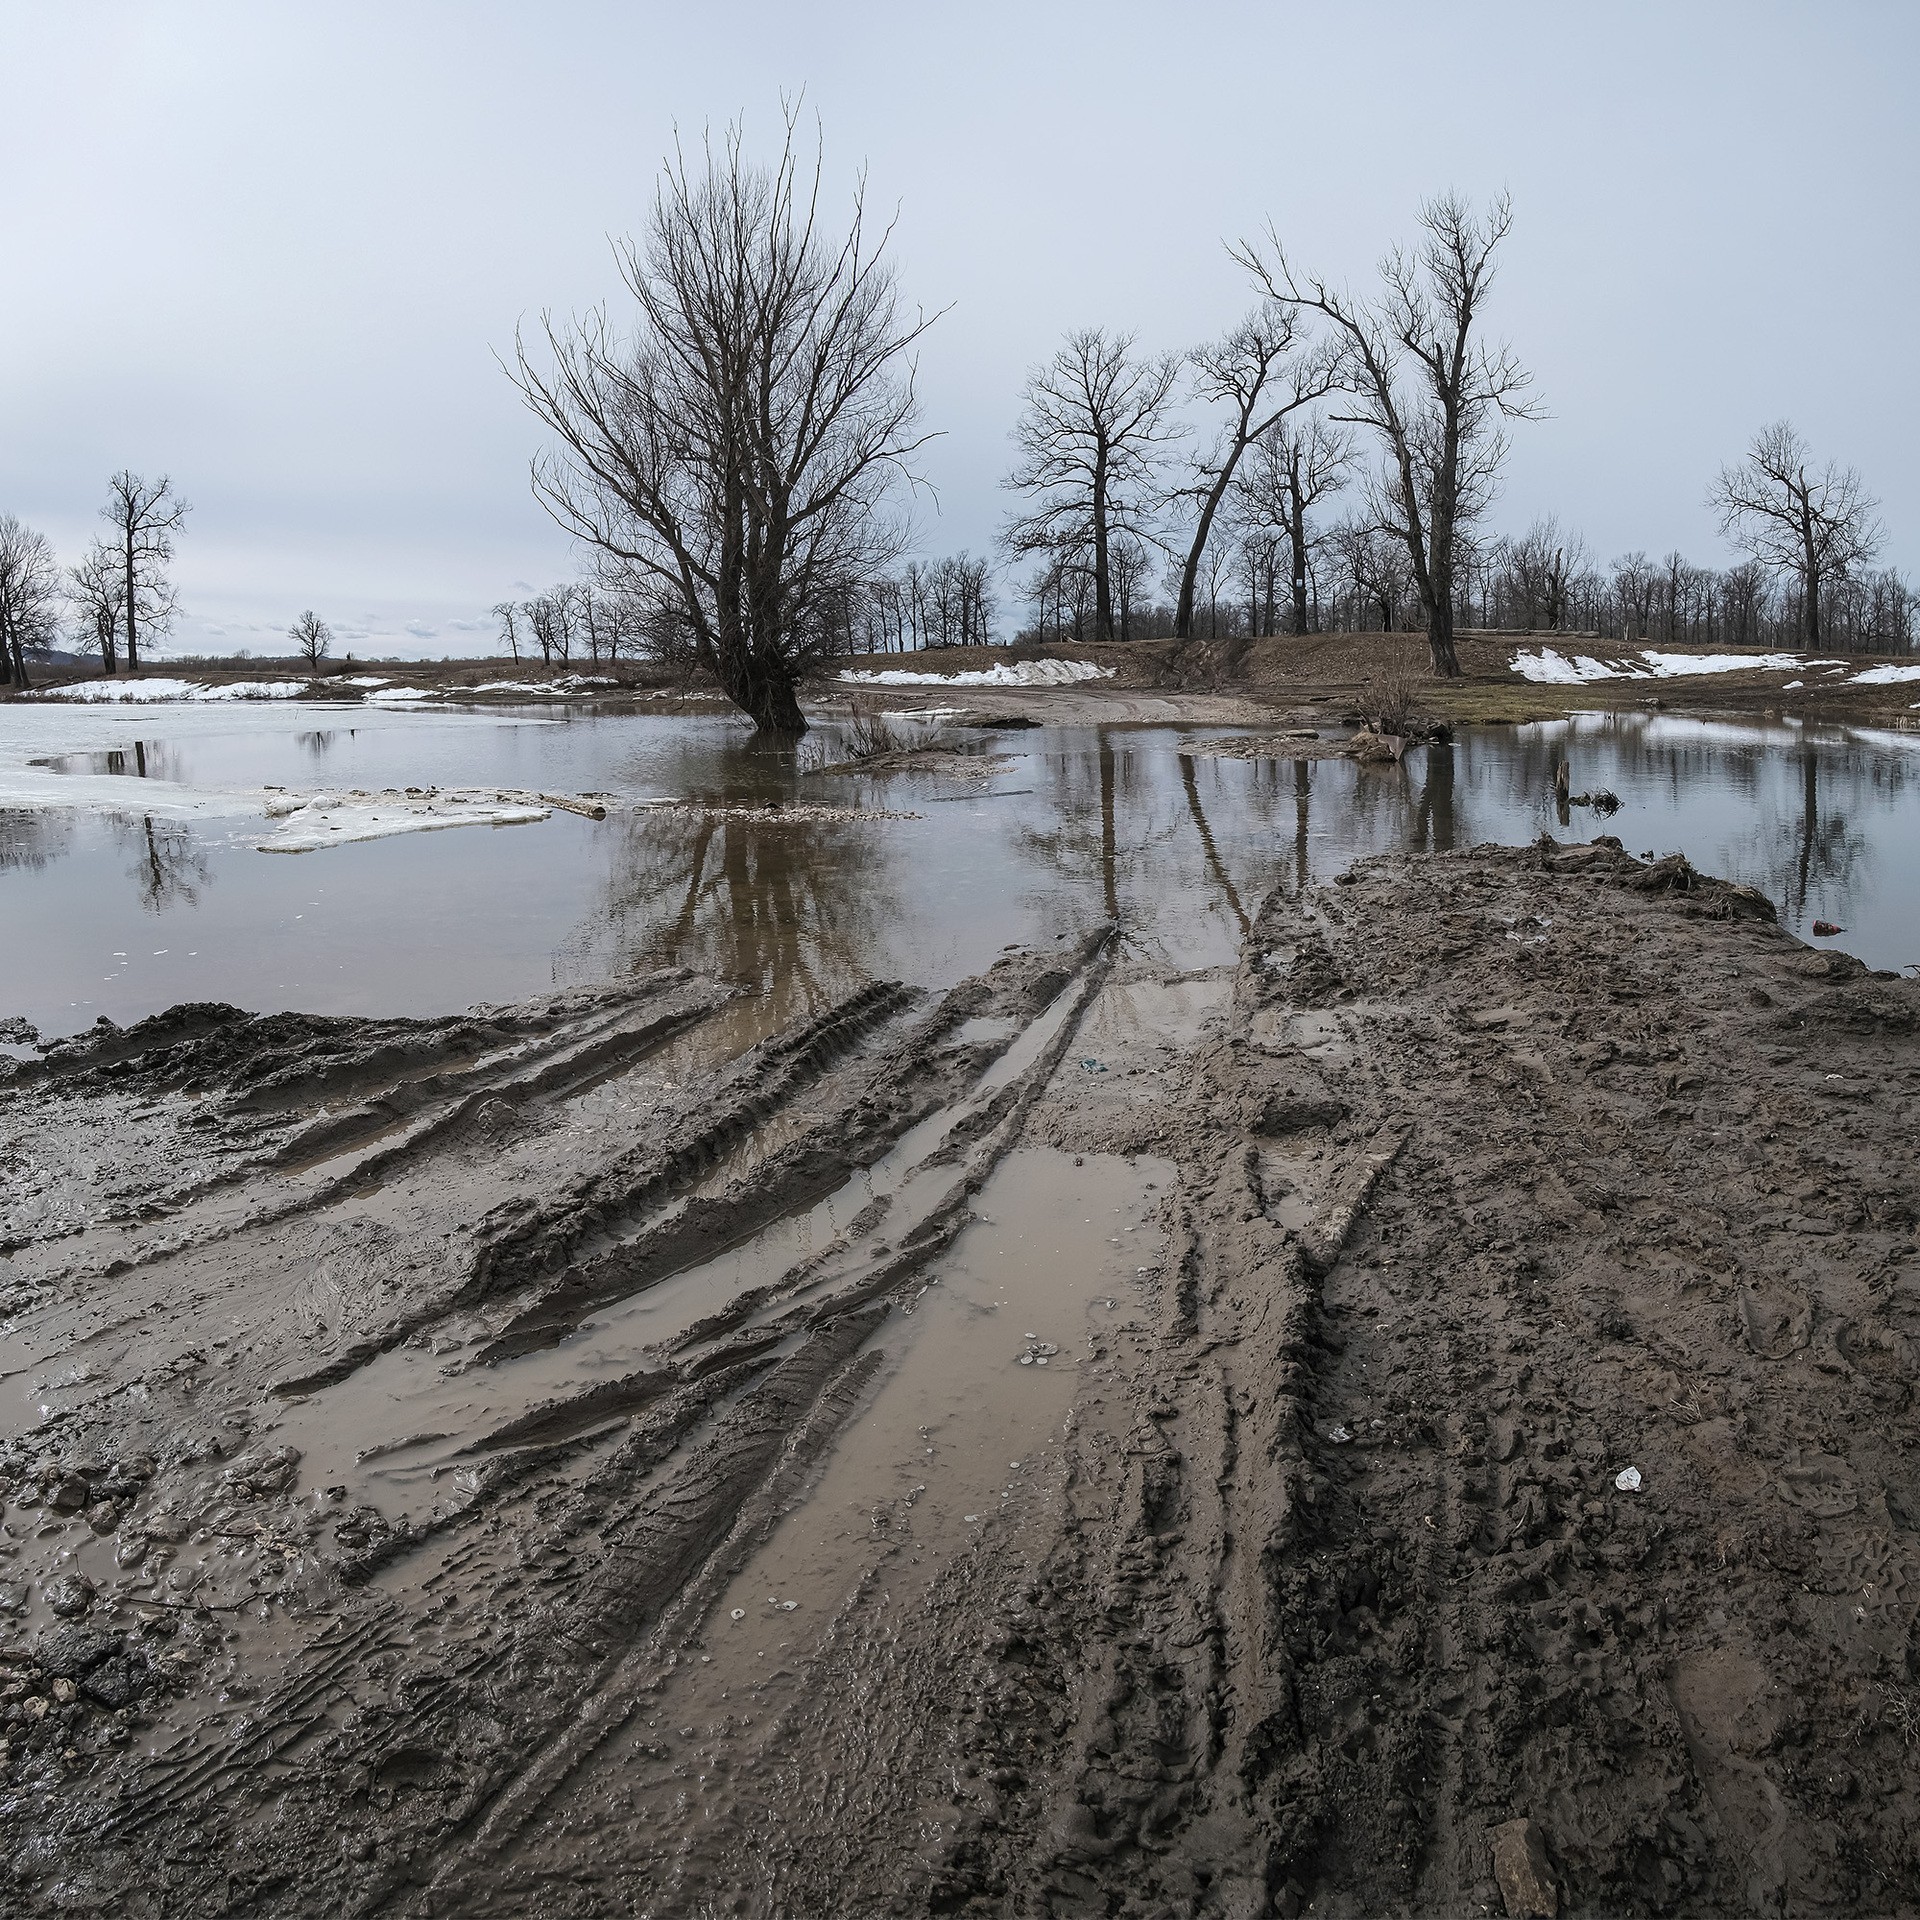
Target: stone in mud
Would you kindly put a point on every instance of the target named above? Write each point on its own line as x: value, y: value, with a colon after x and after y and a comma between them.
x: 68, y: 1494
x: 1830, y: 966
x: 103, y: 1516
x: 68, y: 1594
x: 1520, y: 1866
x: 264, y: 1469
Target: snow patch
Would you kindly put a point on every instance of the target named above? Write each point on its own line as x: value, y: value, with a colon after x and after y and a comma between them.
x: 1548, y: 668
x: 1018, y: 673
x: 155, y: 692
x: 1884, y: 676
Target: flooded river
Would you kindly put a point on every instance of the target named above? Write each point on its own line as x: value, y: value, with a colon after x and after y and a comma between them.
x: 124, y: 905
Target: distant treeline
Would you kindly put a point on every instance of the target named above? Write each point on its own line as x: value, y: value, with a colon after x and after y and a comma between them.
x: 1358, y: 581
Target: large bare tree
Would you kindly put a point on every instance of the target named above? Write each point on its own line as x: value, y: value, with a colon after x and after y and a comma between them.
x: 1421, y: 377
x: 29, y: 598
x: 1797, y: 518
x: 97, y: 589
x: 143, y: 516
x: 734, y: 451
x: 1255, y: 373
x: 1095, y: 424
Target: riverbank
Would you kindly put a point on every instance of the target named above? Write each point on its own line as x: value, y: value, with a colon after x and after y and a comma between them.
x: 1313, y: 679
x: 1426, y: 1404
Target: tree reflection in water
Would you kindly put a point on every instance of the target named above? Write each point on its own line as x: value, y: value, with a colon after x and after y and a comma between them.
x: 32, y: 838
x: 169, y: 868
x: 795, y: 908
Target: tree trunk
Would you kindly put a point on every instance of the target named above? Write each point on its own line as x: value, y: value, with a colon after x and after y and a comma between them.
x: 1102, y: 583
x: 1813, y: 598
x: 1297, y: 541
x: 1190, y: 573
x: 133, y: 612
x: 1446, y: 662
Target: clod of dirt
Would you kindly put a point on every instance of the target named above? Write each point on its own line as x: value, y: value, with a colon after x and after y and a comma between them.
x: 68, y: 1594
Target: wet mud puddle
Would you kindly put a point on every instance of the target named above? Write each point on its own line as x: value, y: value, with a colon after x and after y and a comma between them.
x: 955, y: 1443
x: 401, y: 1433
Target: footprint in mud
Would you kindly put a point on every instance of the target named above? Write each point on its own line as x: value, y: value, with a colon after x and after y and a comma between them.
x: 1818, y: 1484
x: 1774, y: 1323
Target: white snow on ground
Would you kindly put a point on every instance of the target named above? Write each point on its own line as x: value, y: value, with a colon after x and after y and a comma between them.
x: 1548, y: 668
x: 311, y: 822
x: 1884, y: 676
x: 154, y: 692
x: 398, y: 696
x: 1018, y: 673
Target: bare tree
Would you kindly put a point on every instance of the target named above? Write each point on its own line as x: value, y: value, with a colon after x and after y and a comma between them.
x: 507, y: 612
x: 312, y: 639
x: 1249, y: 371
x: 29, y: 598
x: 1634, y: 584
x: 97, y: 590
x: 1817, y: 523
x: 1533, y: 575
x: 1292, y: 468
x: 736, y: 453
x: 1091, y: 437
x: 1437, y: 396
x: 1376, y: 566
x: 144, y: 516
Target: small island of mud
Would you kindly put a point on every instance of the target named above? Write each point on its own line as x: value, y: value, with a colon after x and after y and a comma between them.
x: 1417, y: 1421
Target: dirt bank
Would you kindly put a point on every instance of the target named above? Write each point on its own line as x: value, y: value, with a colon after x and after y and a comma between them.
x: 1419, y: 1422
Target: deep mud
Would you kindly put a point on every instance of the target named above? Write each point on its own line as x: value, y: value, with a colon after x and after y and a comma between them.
x: 1086, y: 1443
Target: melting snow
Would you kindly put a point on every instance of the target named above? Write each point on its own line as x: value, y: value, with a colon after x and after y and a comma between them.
x: 145, y: 692
x: 1548, y: 668
x: 1884, y: 676
x: 1018, y: 673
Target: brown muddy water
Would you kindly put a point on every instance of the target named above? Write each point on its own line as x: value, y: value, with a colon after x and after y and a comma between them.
x: 125, y: 908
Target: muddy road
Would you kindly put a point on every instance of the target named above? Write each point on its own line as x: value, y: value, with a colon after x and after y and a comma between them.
x: 1417, y: 1422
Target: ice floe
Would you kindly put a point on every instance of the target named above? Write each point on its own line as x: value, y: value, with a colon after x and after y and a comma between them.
x: 311, y: 822
x: 1014, y: 673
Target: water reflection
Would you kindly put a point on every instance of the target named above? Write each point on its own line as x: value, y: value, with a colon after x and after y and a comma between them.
x: 30, y: 839
x: 792, y: 907
x: 1136, y: 824
x: 170, y: 864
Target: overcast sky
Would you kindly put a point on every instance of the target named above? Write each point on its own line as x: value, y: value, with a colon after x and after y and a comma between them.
x: 273, y: 250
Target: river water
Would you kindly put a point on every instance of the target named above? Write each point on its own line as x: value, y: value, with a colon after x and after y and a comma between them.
x: 129, y: 878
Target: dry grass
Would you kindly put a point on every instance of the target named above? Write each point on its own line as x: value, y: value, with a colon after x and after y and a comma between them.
x: 1392, y: 697
x: 871, y: 734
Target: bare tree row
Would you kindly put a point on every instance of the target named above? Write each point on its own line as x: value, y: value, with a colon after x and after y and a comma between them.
x: 116, y: 598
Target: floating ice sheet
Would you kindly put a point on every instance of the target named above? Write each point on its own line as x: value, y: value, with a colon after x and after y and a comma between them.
x: 309, y: 823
